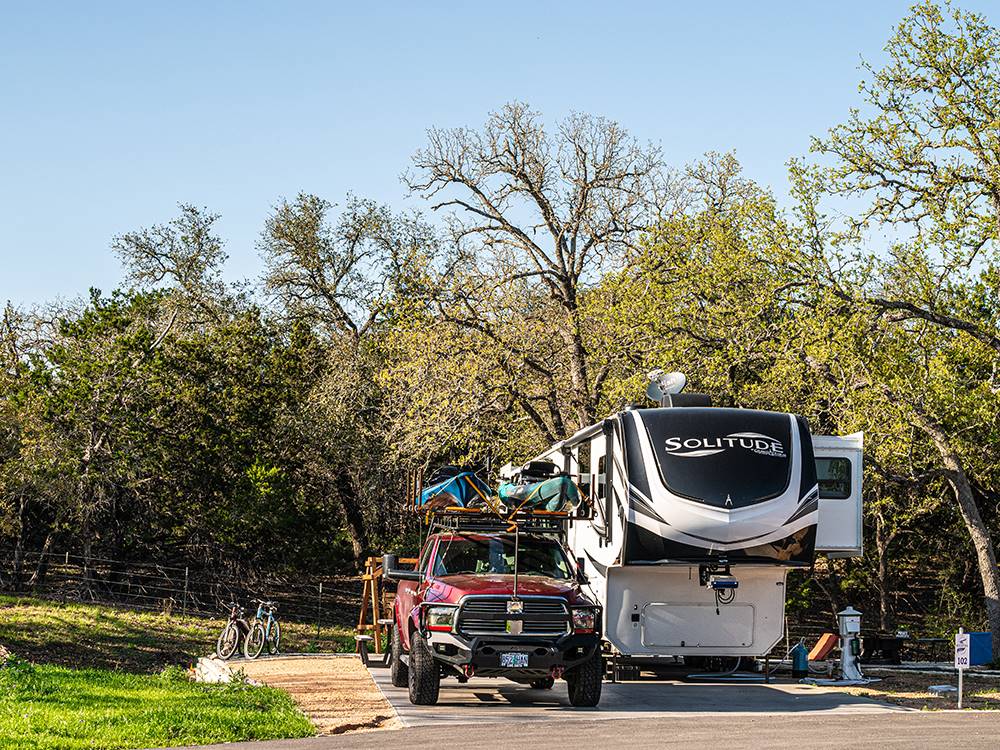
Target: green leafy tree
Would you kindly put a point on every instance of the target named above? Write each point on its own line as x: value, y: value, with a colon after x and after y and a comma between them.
x: 923, y: 156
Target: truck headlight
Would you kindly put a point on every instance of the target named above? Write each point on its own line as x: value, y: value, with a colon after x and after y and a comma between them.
x: 440, y: 618
x: 584, y: 619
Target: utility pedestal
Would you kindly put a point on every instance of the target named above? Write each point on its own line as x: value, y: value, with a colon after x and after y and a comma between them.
x: 850, y: 643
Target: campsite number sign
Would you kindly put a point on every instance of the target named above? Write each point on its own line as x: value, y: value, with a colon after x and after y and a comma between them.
x: 962, y: 650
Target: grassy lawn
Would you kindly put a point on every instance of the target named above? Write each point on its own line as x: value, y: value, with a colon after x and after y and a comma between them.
x: 86, y: 635
x: 86, y: 676
x: 46, y: 706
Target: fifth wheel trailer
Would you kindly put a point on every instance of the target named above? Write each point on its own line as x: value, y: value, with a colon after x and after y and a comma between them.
x: 699, y: 514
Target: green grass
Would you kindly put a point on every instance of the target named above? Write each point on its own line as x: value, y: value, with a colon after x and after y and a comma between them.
x: 54, y: 707
x: 87, y: 676
x: 88, y: 635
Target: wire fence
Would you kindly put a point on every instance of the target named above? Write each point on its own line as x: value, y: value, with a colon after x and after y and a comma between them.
x: 177, y: 589
x: 322, y: 601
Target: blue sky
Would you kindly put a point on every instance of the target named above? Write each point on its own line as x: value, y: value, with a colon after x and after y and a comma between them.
x: 112, y: 113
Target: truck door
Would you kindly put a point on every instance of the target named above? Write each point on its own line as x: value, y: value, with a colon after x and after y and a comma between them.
x: 409, y: 594
x: 839, y: 471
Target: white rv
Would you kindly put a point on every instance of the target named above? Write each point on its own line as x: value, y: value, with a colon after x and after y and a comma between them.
x: 699, y: 514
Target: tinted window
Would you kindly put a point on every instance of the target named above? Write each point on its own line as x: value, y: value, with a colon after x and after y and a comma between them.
x: 834, y: 476
x: 729, y: 458
x: 536, y: 557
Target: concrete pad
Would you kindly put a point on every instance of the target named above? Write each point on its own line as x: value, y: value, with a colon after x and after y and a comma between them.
x: 491, y: 700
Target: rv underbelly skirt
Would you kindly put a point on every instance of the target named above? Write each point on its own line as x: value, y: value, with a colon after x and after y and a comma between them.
x: 663, y: 610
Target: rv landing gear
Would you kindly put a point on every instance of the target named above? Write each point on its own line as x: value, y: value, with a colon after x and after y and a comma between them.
x: 618, y: 670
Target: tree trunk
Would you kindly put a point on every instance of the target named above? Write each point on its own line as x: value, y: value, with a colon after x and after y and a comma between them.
x: 22, y: 517
x: 886, y: 619
x: 832, y: 590
x: 87, y: 568
x: 582, y: 404
x: 352, y: 514
x: 42, y: 569
x: 969, y: 510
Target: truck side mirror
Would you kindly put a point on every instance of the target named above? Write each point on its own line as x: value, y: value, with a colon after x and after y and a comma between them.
x: 581, y: 574
x: 390, y: 569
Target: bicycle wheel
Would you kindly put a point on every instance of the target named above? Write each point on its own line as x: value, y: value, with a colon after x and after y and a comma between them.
x: 254, y: 642
x: 228, y: 641
x: 274, y: 638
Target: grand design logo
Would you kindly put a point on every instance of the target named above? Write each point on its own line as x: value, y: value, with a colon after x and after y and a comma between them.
x: 755, y: 442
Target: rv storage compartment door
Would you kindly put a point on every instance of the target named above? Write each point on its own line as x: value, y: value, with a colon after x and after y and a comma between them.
x: 839, y: 470
x: 697, y: 625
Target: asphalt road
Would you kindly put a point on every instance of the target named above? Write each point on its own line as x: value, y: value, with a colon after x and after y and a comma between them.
x: 732, y: 731
x: 497, y: 714
x: 494, y: 700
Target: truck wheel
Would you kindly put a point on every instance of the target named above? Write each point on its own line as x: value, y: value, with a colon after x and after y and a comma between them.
x: 543, y: 683
x: 425, y: 676
x: 397, y: 669
x: 398, y: 673
x: 584, y: 682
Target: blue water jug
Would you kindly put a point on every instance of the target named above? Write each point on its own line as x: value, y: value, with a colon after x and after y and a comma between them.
x: 800, y: 660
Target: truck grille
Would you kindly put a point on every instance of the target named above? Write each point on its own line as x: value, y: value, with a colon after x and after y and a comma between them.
x: 488, y: 617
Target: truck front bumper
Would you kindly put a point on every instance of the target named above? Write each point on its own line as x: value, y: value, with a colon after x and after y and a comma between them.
x: 482, y: 653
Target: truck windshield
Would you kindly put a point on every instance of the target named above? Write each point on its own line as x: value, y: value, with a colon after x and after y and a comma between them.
x: 483, y: 555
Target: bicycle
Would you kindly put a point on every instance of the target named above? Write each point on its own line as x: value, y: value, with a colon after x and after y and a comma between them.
x: 262, y: 632
x: 233, y: 633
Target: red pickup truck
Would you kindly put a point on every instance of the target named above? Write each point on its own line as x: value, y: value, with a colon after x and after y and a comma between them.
x: 494, y: 604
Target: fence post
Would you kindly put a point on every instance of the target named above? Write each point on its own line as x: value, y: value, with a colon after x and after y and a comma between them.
x: 319, y: 609
x: 184, y: 607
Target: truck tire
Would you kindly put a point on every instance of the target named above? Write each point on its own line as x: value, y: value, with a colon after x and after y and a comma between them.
x: 398, y: 672
x: 424, y: 674
x: 584, y: 682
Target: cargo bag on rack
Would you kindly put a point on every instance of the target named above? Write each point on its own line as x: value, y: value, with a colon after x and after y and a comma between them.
x: 555, y: 494
x: 461, y: 489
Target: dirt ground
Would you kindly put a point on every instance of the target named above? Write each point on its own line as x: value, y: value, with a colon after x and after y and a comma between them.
x: 910, y: 690
x: 335, y: 692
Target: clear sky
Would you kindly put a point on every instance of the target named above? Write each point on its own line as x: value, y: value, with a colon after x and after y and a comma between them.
x: 112, y: 113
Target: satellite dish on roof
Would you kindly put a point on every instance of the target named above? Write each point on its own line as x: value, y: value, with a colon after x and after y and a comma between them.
x: 662, y: 384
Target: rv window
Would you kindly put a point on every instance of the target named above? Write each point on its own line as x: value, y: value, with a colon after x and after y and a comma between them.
x: 601, y: 474
x: 834, y: 475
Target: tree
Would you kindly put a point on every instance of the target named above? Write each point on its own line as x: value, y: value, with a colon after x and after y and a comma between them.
x: 185, y: 256
x: 344, y: 278
x: 538, y: 215
x: 925, y: 154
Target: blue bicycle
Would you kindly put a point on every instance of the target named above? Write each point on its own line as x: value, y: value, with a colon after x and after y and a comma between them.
x: 265, y: 630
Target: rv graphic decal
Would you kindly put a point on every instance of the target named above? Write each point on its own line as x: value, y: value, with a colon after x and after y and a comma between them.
x: 755, y: 442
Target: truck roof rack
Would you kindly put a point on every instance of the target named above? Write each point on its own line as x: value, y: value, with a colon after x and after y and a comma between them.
x: 485, y: 520
x: 482, y: 520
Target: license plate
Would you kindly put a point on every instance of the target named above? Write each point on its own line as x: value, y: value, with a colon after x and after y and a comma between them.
x: 513, y: 659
